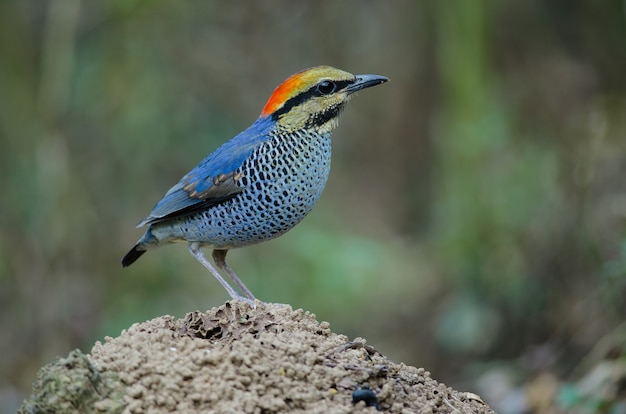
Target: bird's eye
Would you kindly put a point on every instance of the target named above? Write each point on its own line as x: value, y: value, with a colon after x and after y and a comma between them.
x: 326, y: 87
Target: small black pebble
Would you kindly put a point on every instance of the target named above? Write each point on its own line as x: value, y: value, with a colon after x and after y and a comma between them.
x: 367, y: 395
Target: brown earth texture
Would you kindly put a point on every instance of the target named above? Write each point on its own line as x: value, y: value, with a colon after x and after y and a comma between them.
x: 239, y: 358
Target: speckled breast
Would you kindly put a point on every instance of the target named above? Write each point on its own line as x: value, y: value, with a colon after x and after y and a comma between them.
x: 283, y: 179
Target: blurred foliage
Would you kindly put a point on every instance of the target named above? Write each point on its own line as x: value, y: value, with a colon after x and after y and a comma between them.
x: 473, y: 223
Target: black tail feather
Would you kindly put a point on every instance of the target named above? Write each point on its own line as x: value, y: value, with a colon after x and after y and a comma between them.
x: 134, y: 254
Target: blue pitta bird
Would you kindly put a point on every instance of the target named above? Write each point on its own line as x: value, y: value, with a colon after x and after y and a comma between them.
x: 262, y: 182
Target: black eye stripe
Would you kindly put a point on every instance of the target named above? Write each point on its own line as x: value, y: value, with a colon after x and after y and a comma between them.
x: 342, y: 84
x: 306, y: 95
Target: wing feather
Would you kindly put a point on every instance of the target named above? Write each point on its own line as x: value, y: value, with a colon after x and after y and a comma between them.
x: 213, y: 181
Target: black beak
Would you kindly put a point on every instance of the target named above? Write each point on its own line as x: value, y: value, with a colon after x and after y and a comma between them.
x: 365, y: 81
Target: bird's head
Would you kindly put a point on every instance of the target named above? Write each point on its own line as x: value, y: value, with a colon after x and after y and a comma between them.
x: 313, y: 99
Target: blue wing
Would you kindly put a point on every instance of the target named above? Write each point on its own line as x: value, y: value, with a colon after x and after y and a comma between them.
x: 214, y: 180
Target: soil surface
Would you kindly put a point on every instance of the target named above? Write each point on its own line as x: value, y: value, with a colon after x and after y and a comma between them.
x: 240, y: 359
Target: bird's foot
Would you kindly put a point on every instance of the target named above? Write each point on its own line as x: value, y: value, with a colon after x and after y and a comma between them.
x: 253, y: 303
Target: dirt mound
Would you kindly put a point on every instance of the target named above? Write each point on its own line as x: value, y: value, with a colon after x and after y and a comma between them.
x: 239, y: 358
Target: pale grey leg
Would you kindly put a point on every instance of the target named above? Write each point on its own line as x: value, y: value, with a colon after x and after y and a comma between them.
x: 219, y: 255
x: 196, y: 252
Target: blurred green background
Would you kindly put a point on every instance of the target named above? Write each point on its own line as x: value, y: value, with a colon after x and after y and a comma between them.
x: 473, y: 224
